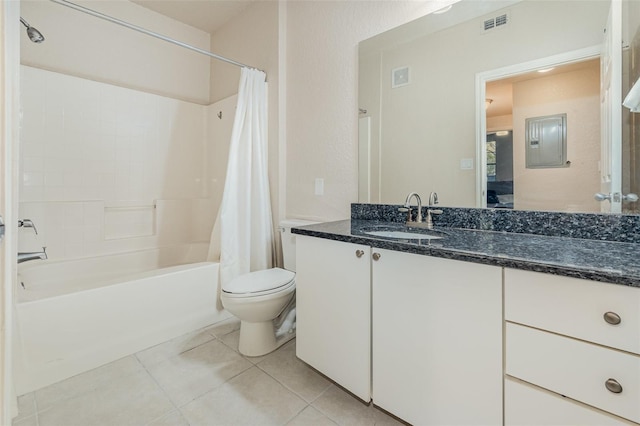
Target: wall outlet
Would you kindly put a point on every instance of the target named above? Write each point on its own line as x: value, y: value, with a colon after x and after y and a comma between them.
x: 319, y: 186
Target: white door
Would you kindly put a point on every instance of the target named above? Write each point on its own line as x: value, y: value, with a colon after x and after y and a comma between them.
x: 9, y: 81
x: 611, y: 110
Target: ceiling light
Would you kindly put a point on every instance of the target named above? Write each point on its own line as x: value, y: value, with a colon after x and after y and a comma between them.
x: 546, y: 69
x: 502, y: 133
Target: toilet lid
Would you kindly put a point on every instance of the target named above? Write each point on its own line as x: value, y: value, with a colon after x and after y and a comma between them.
x: 259, y: 281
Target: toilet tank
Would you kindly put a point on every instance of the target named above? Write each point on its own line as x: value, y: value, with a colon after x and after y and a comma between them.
x: 289, y: 241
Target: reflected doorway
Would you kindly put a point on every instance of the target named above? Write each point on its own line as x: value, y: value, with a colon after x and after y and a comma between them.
x: 500, y: 169
x: 572, y: 89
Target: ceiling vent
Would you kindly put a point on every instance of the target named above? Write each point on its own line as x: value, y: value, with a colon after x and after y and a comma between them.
x: 494, y: 22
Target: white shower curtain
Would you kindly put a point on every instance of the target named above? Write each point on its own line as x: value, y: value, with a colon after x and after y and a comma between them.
x: 244, y: 227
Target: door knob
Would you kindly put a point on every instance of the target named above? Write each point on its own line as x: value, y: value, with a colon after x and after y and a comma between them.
x: 376, y: 256
x: 359, y: 253
x: 599, y: 196
x: 630, y: 198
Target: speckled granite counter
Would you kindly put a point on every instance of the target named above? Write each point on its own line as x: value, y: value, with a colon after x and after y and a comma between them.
x: 605, y: 261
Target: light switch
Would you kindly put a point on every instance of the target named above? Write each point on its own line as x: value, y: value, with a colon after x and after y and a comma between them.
x: 466, y: 164
x: 319, y: 186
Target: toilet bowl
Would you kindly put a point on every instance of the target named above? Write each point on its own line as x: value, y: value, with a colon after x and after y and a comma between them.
x: 264, y: 301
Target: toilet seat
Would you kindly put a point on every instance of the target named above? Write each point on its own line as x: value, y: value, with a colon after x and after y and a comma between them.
x: 260, y: 283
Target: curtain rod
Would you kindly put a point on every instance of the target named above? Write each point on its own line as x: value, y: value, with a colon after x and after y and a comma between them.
x: 149, y: 33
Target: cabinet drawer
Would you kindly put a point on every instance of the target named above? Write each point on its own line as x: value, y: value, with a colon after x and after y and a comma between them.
x: 575, y: 369
x: 528, y: 405
x: 574, y: 307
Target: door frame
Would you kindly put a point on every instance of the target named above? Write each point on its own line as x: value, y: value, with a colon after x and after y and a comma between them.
x: 9, y: 134
x: 482, y: 78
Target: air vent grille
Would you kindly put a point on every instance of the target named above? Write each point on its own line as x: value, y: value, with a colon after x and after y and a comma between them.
x: 495, y: 22
x: 489, y: 24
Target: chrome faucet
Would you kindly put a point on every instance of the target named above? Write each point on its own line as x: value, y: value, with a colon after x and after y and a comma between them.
x: 33, y: 255
x: 27, y: 223
x: 407, y: 206
x: 433, y: 199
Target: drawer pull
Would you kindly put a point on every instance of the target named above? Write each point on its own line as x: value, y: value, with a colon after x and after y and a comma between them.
x: 612, y: 318
x: 359, y: 253
x: 612, y: 385
x: 376, y: 256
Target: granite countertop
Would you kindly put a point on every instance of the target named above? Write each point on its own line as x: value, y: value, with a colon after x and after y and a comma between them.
x: 605, y: 261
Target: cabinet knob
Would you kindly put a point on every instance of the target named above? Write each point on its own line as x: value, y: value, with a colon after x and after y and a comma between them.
x: 376, y: 256
x: 612, y: 318
x: 612, y: 385
x: 359, y: 253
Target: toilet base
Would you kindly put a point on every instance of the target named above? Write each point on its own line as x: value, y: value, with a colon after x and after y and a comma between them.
x: 259, y: 338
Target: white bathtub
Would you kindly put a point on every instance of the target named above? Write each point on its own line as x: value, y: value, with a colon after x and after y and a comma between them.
x: 76, y: 315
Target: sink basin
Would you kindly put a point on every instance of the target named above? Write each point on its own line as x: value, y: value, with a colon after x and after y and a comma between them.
x: 404, y: 235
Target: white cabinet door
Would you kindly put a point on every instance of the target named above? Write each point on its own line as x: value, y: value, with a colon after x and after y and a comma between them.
x: 528, y: 405
x: 333, y: 291
x: 437, y: 339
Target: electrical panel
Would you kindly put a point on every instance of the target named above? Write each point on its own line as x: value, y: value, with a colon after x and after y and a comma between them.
x: 546, y: 141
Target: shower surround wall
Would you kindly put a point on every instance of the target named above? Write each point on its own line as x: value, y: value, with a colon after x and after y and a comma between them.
x: 106, y: 169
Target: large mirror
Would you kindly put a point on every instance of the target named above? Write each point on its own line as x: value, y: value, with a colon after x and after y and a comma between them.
x: 502, y: 104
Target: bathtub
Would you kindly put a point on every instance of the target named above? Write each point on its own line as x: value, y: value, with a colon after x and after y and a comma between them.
x: 75, y: 315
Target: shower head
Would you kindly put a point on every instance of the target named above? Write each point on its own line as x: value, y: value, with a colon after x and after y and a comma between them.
x: 34, y: 35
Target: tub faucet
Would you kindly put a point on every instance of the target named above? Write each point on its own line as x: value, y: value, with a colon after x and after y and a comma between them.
x: 33, y: 255
x: 407, y: 206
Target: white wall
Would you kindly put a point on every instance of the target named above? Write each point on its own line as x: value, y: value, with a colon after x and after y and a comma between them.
x: 88, y: 47
x: 105, y: 169
x: 321, y: 104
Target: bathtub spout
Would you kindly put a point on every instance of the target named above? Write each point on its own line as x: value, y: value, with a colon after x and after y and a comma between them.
x: 25, y: 257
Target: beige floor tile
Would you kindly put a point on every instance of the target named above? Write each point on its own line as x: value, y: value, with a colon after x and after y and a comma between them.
x: 132, y: 400
x: 381, y: 418
x: 31, y: 420
x: 221, y: 328
x: 232, y: 339
x: 192, y: 373
x: 26, y: 406
x: 311, y: 417
x: 87, y: 382
x: 344, y: 408
x: 252, y: 398
x: 173, y: 347
x: 172, y: 419
x: 284, y: 366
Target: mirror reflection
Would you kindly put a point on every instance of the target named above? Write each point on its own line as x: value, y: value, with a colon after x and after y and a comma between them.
x: 428, y: 124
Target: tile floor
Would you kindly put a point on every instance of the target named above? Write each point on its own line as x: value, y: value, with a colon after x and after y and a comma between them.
x: 198, y: 379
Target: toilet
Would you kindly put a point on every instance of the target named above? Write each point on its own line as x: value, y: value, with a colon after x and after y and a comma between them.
x: 264, y: 301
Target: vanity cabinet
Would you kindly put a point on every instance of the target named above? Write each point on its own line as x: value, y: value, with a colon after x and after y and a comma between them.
x: 437, y: 339
x: 577, y: 344
x: 428, y: 329
x: 333, y: 299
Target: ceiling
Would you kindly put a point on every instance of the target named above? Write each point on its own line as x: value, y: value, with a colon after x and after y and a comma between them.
x: 207, y: 15
x: 500, y: 91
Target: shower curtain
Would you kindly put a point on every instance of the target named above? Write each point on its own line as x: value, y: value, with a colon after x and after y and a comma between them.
x: 244, y: 229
